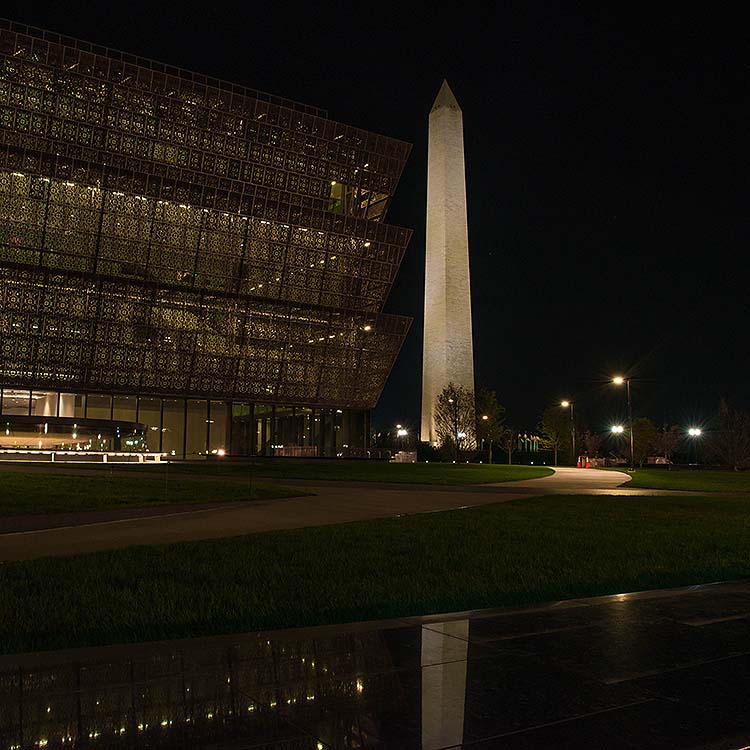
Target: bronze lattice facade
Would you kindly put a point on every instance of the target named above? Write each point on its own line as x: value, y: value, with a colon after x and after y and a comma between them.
x: 163, y: 234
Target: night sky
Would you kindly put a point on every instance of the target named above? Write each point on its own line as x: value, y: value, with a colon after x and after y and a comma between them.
x: 607, y: 175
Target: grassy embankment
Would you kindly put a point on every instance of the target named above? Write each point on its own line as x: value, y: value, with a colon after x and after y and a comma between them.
x: 23, y: 493
x: 374, y: 471
x: 697, y: 480
x: 525, y: 551
x: 51, y: 488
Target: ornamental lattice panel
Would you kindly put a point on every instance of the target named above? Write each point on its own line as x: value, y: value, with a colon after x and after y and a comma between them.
x: 165, y: 233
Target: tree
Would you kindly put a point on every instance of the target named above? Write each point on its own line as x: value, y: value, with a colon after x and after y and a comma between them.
x: 490, y: 416
x: 554, y: 429
x: 666, y: 441
x: 731, y: 442
x: 454, y: 419
x: 507, y: 441
x: 644, y: 439
x: 592, y: 442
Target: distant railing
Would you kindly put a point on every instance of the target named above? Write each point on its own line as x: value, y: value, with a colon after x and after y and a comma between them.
x: 405, y: 457
x: 90, y: 457
x: 296, y: 451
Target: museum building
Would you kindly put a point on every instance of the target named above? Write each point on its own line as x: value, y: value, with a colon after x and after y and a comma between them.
x: 187, y: 266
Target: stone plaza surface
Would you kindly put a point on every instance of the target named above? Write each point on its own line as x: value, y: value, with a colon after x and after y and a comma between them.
x: 647, y: 670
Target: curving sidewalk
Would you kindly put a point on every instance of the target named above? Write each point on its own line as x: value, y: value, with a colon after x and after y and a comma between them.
x: 572, y: 481
x: 331, y: 502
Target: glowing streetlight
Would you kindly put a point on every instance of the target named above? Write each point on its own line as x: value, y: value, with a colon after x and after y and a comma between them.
x: 402, y: 433
x: 617, y: 429
x: 620, y: 380
x: 485, y: 418
x: 569, y: 405
x: 695, y: 432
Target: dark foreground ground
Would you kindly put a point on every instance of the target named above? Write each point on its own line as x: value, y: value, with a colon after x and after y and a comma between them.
x: 656, y: 670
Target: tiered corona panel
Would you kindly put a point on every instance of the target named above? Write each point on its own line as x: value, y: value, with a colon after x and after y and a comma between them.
x: 106, y: 334
x: 100, y: 117
x: 175, y: 266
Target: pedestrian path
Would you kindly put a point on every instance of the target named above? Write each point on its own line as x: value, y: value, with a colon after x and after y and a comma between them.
x: 330, y: 503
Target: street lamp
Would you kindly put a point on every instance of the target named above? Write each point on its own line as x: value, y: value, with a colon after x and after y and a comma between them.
x: 485, y: 418
x: 695, y: 432
x: 617, y: 429
x: 401, y: 433
x: 619, y: 380
x: 569, y: 405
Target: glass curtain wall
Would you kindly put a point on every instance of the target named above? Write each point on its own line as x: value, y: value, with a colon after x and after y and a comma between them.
x: 187, y: 428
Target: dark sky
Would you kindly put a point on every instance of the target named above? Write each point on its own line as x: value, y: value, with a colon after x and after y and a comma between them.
x: 607, y: 174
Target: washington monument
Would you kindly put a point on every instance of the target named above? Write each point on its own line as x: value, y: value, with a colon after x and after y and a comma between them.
x: 448, y: 354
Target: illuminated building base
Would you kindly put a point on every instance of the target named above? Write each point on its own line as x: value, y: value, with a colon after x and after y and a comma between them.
x: 181, y: 428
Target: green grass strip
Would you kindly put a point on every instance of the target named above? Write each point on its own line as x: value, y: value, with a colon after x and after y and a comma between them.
x: 697, y: 480
x: 38, y: 492
x: 335, y: 470
x: 526, y: 551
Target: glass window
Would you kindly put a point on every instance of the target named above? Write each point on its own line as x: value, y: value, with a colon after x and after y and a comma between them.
x: 305, y: 416
x: 242, y: 429
x: 262, y: 415
x: 219, y: 440
x: 71, y: 405
x: 98, y: 406
x: 124, y: 408
x: 149, y: 415
x: 285, y: 432
x: 16, y: 401
x: 197, y: 428
x: 172, y: 428
x: 44, y: 403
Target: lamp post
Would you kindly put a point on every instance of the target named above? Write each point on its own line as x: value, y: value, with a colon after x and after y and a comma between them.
x: 619, y: 380
x: 401, y: 433
x: 454, y: 418
x: 569, y: 405
x: 695, y: 432
x: 485, y: 418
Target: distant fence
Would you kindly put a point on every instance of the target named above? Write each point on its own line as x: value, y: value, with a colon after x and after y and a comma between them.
x: 405, y: 457
x: 81, y: 457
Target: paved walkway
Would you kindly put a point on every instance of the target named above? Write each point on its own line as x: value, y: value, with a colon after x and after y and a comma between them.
x: 647, y: 670
x: 332, y: 502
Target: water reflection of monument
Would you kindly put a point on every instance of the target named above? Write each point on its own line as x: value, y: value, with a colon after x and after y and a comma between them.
x: 444, y: 651
x: 356, y: 689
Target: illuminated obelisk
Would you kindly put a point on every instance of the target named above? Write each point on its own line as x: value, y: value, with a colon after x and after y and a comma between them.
x: 448, y: 354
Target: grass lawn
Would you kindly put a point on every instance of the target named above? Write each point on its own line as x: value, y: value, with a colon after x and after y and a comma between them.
x: 699, y: 480
x: 23, y: 493
x: 520, y: 552
x: 342, y: 470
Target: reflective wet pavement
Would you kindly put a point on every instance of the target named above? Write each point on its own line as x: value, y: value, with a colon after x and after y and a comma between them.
x: 659, y: 669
